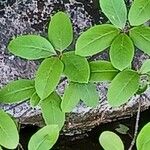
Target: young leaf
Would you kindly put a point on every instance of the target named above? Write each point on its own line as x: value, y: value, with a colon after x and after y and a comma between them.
x: 116, y: 11
x: 139, y: 12
x: 88, y: 94
x: 76, y: 67
x: 122, y: 129
x: 60, y: 31
x: 31, y: 47
x: 123, y: 86
x: 122, y: 49
x: 48, y: 76
x: 111, y: 141
x: 45, y: 138
x: 34, y: 100
x: 71, y: 97
x: 96, y: 39
x: 51, y: 110
x: 141, y: 38
x: 143, y: 139
x: 102, y: 71
x: 9, y: 137
x: 145, y: 67
x: 17, y: 91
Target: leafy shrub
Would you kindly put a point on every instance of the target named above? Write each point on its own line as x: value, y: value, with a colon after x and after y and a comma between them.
x: 120, y: 36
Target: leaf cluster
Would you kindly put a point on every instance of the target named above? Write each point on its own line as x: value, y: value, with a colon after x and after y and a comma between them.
x: 126, y: 31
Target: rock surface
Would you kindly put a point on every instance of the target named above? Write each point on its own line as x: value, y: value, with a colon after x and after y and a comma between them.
x: 31, y: 17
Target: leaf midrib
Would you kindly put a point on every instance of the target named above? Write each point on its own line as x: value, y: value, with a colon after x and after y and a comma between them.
x: 17, y: 91
x: 99, y: 37
x: 125, y: 86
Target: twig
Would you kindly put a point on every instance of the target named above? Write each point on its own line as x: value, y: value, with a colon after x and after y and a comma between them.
x: 20, y: 147
x: 136, y: 126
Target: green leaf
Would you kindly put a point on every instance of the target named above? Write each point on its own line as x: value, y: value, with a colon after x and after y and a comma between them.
x: 88, y: 94
x: 122, y: 49
x: 48, y: 76
x: 96, y: 39
x: 145, y: 67
x: 9, y: 137
x: 102, y: 71
x: 116, y: 11
x: 34, y: 100
x: 51, y: 110
x: 143, y: 139
x: 71, y: 97
x: 76, y: 67
x: 123, y: 86
x: 141, y: 38
x: 122, y: 129
x: 1, y: 148
x: 31, y: 47
x: 76, y: 92
x: 45, y: 138
x: 60, y: 31
x: 17, y: 91
x: 111, y: 141
x: 139, y: 12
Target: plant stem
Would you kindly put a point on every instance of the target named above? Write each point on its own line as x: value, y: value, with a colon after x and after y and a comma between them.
x: 136, y: 126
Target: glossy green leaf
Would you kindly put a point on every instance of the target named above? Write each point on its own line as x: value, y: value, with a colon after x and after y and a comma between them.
x: 48, y: 76
x: 9, y: 137
x: 111, y: 141
x: 102, y: 71
x: 145, y: 68
x: 17, y: 91
x: 88, y: 94
x: 60, y: 31
x: 143, y: 139
x: 51, y: 110
x: 76, y: 92
x: 96, y: 39
x: 116, y: 11
x: 34, y: 100
x: 76, y: 67
x: 71, y: 97
x: 123, y: 87
x: 122, y: 52
x: 139, y: 12
x: 45, y: 138
x: 141, y: 38
x: 31, y: 47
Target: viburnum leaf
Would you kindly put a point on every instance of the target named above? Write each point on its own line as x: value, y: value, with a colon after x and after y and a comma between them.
x: 45, y: 138
x: 96, y: 39
x: 122, y: 49
x: 34, y: 100
x: 141, y: 38
x: 139, y: 12
x: 60, y: 32
x: 116, y: 11
x: 123, y: 87
x: 145, y: 68
x: 76, y: 67
x: 114, y: 144
x: 143, y: 139
x: 102, y: 71
x: 17, y: 91
x: 31, y: 47
x: 48, y: 76
x: 9, y: 137
x: 51, y: 110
